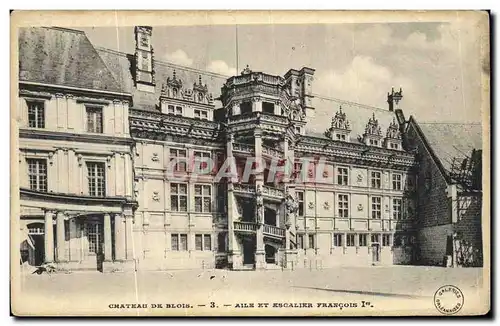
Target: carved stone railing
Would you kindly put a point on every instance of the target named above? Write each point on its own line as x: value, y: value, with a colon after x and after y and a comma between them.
x: 273, y: 192
x: 274, y: 231
x: 244, y: 148
x: 245, y: 226
x: 271, y: 118
x: 244, y: 188
x: 271, y: 151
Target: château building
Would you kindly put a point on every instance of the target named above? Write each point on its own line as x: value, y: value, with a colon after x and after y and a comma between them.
x: 110, y: 144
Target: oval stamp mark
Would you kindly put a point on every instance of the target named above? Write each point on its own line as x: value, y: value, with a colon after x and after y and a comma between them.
x: 448, y: 299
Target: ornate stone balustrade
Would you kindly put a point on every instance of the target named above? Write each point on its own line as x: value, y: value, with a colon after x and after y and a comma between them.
x: 274, y: 231
x: 244, y: 148
x: 244, y: 188
x: 245, y: 226
x: 273, y: 192
x: 271, y: 152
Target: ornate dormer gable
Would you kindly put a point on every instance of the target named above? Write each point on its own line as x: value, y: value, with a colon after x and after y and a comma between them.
x: 393, y: 136
x: 340, y: 127
x: 194, y: 102
x: 393, y: 130
x: 373, y: 132
x: 173, y: 87
x: 200, y: 92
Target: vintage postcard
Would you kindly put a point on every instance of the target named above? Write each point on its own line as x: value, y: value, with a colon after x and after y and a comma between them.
x: 260, y: 163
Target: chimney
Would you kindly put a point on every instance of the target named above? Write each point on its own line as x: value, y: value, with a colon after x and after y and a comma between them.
x: 144, y: 60
x: 393, y: 99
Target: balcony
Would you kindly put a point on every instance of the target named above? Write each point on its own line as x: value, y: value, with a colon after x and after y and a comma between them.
x: 243, y: 148
x: 251, y: 227
x: 273, y: 193
x: 246, y: 227
x: 271, y: 152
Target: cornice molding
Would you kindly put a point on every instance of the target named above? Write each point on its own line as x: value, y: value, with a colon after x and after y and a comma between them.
x: 85, y: 138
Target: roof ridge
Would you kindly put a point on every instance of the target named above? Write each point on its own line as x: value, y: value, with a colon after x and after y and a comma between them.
x: 450, y: 123
x: 168, y: 64
x: 64, y: 29
x: 364, y: 106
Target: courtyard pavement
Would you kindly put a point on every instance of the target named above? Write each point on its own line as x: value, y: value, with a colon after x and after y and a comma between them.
x: 409, y: 290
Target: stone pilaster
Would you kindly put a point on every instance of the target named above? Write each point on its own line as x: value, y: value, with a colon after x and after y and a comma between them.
x: 61, y: 243
x: 49, y: 237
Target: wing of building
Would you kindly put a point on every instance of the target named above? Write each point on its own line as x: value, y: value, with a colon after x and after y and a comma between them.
x: 127, y: 162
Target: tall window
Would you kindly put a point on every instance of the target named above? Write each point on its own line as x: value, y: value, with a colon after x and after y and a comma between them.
x: 95, y: 237
x: 202, y: 198
x: 337, y: 240
x: 350, y: 240
x: 363, y: 240
x: 376, y: 207
x: 386, y: 240
x: 203, y: 242
x: 342, y: 176
x: 300, y: 241
x: 97, y: 179
x: 94, y: 119
x: 201, y: 114
x: 178, y: 197
x: 375, y: 238
x: 37, y: 173
x: 312, y: 241
x: 300, y: 200
x: 201, y: 159
x: 396, y: 181
x: 396, y: 208
x: 376, y: 179
x: 36, y: 114
x: 179, y: 242
x: 179, y: 156
x: 343, y: 205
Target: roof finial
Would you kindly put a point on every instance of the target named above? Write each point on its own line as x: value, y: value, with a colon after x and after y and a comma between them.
x: 174, y: 74
x: 199, y: 79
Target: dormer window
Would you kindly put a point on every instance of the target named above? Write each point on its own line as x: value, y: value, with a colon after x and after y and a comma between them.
x: 176, y: 110
x: 393, y: 136
x: 394, y: 145
x: 341, y: 137
x: 340, y: 127
x: 374, y: 142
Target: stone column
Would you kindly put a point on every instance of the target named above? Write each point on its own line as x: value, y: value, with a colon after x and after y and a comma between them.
x: 234, y: 254
x: 107, y: 238
x: 128, y: 176
x: 119, y: 237
x: 61, y: 243
x: 129, y: 238
x: 260, y: 261
x: 49, y: 237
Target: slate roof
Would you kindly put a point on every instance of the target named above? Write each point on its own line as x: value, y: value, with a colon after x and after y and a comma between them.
x: 357, y: 114
x: 64, y: 57
x: 120, y: 64
x: 67, y: 57
x: 452, y: 140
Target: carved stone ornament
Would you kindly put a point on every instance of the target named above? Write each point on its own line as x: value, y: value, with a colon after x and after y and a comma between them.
x: 326, y: 205
x: 372, y: 127
x: 155, y: 157
x: 360, y: 177
x: 360, y: 207
x: 291, y: 204
x: 156, y: 196
x: 325, y: 174
x: 386, y: 208
x: 393, y: 130
x: 311, y: 205
x: 339, y: 122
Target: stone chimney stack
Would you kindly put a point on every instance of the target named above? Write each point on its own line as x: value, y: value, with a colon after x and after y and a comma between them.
x: 144, y: 72
x: 393, y: 99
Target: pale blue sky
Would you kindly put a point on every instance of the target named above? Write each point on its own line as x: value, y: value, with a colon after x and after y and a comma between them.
x: 438, y: 65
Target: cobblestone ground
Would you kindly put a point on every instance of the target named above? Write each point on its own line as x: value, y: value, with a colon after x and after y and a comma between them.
x: 410, y: 289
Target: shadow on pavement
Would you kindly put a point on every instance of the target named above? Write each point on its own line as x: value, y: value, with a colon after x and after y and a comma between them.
x: 380, y: 294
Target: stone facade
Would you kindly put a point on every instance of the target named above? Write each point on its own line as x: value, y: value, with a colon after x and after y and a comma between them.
x: 109, y: 177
